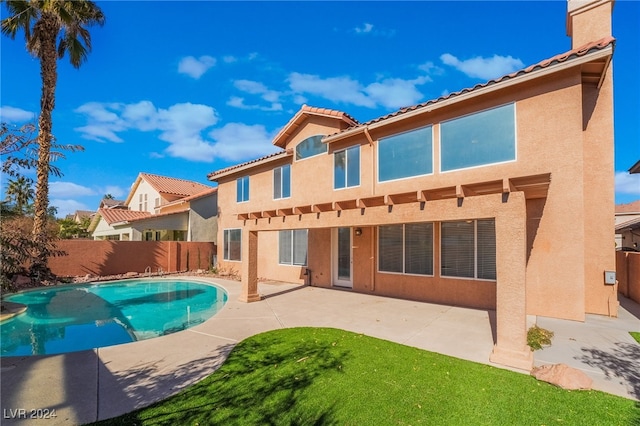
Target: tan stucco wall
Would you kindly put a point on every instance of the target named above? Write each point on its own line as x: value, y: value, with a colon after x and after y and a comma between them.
x: 569, y: 234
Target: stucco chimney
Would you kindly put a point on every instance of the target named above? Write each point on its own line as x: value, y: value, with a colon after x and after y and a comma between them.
x: 588, y: 20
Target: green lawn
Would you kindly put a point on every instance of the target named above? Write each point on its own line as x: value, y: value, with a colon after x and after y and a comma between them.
x: 319, y: 376
x: 635, y: 335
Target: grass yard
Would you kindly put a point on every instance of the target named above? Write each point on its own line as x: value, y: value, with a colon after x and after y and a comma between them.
x: 319, y: 376
x: 635, y: 335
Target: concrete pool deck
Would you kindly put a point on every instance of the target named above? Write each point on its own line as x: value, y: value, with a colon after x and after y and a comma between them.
x: 92, y: 385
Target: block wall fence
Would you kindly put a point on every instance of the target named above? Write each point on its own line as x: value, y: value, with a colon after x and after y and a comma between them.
x: 119, y: 257
x: 628, y: 274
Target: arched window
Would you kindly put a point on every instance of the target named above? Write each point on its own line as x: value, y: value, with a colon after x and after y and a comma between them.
x: 310, y: 147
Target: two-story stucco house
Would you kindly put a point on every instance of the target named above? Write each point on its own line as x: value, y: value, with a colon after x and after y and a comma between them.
x: 160, y: 208
x: 496, y: 197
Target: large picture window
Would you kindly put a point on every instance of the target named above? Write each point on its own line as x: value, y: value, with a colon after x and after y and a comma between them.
x: 242, y: 189
x: 311, y: 147
x: 406, y: 248
x: 282, y: 182
x: 292, y: 247
x: 478, y: 139
x: 346, y: 168
x: 232, y: 244
x: 468, y: 249
x: 406, y: 155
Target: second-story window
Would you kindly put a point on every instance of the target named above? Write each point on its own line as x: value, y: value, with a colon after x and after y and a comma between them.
x: 405, y: 155
x: 346, y: 168
x: 282, y: 182
x: 242, y: 189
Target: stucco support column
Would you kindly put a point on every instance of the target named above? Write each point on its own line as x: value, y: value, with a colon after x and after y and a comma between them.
x: 249, y: 292
x: 511, y: 347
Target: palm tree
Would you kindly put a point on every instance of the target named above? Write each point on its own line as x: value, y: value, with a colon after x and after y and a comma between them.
x: 51, y: 28
x: 20, y: 193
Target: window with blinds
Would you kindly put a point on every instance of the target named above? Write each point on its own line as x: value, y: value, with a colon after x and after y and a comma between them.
x: 406, y: 249
x: 292, y: 247
x: 468, y: 249
x: 232, y: 249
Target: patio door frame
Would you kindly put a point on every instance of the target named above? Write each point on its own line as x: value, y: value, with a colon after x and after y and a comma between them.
x: 337, y: 280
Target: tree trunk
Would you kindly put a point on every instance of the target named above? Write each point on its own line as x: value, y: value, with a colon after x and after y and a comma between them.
x: 48, y: 28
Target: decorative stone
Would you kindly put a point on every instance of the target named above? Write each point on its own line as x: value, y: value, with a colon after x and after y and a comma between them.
x: 131, y: 274
x: 562, y: 376
x: 21, y: 280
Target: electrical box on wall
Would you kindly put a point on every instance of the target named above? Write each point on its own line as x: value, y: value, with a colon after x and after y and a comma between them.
x: 609, y: 277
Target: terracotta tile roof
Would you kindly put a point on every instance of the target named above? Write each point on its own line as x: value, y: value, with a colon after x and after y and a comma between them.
x: 153, y: 216
x: 190, y: 198
x: 563, y: 57
x: 305, y: 111
x: 120, y: 215
x: 217, y: 173
x: 633, y: 207
x: 174, y: 186
x: 109, y: 202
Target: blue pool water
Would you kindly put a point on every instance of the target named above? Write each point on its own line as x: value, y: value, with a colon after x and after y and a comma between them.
x: 79, y: 317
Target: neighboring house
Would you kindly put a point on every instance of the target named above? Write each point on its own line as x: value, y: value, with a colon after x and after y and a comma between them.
x: 160, y: 208
x: 105, y: 203
x: 495, y: 197
x: 79, y: 215
x: 628, y: 225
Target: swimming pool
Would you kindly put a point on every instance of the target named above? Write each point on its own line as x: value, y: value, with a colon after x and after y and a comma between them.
x: 71, y: 318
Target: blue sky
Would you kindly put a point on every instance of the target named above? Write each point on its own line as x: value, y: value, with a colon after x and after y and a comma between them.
x: 185, y: 88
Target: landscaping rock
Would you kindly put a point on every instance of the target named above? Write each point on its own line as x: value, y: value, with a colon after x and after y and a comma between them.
x: 563, y: 376
x: 131, y: 274
x: 21, y: 281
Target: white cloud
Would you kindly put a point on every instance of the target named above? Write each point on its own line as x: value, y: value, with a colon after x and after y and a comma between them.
x: 181, y: 125
x: 195, y: 67
x: 237, y: 141
x: 104, y: 122
x: 390, y: 92
x: 337, y: 89
x: 69, y: 189
x: 229, y: 59
x: 238, y: 102
x: 395, y: 92
x: 257, y: 88
x: 365, y: 28
x: 484, y: 68
x: 9, y: 114
x: 627, y: 183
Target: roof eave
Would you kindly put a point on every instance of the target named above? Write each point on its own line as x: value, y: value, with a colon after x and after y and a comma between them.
x: 214, y: 177
x: 602, y: 53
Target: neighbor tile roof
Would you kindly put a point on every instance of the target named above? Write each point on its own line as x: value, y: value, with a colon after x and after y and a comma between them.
x: 174, y: 186
x: 190, y: 198
x: 110, y: 202
x: 257, y: 160
x: 120, y: 215
x: 563, y: 57
x: 633, y: 207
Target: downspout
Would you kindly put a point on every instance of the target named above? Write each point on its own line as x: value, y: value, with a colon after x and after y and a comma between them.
x: 373, y: 258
